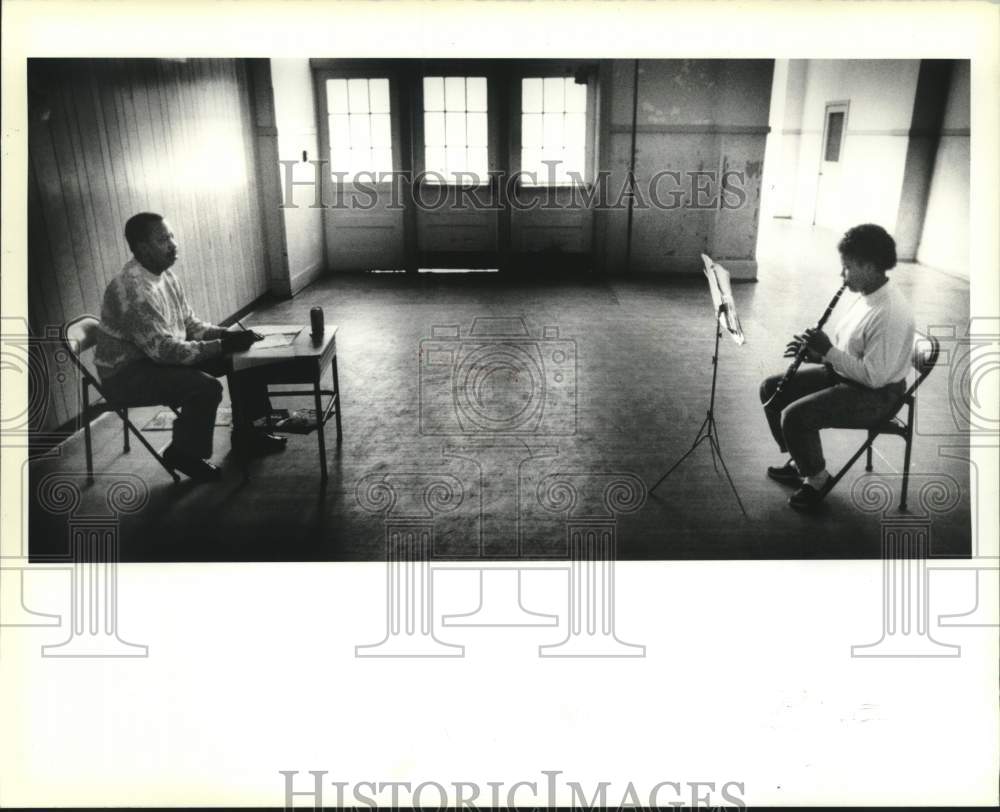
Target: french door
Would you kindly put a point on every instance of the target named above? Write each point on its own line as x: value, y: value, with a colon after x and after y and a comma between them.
x: 460, y: 156
x: 457, y: 164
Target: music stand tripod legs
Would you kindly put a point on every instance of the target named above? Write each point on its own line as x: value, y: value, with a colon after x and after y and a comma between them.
x: 709, y: 431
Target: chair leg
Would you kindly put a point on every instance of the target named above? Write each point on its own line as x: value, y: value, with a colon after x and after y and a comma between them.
x: 868, y: 459
x: 832, y: 482
x: 86, y: 432
x: 125, y: 445
x: 906, y: 469
x: 149, y: 448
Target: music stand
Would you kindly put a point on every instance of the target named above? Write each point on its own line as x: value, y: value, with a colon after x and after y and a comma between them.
x: 725, y: 316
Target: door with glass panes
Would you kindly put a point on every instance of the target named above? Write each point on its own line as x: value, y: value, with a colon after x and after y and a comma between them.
x: 361, y: 148
x: 552, y: 154
x: 498, y: 159
x: 457, y: 132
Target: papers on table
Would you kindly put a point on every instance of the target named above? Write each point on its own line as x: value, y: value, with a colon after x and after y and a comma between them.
x: 276, y: 329
x: 277, y: 338
x: 273, y: 340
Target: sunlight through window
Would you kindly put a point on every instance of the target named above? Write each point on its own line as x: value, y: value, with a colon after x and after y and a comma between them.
x: 455, y: 131
x: 359, y: 125
x: 553, y: 130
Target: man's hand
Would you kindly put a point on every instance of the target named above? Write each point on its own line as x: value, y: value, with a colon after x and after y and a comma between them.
x: 238, y: 340
x: 816, y: 342
x: 239, y: 328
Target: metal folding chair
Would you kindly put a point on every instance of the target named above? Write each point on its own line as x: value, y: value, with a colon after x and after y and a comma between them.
x: 925, y: 356
x: 79, y: 336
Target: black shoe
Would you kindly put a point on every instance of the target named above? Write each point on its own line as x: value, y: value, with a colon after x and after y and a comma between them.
x: 256, y: 442
x: 806, y: 498
x: 196, y: 469
x: 787, y: 474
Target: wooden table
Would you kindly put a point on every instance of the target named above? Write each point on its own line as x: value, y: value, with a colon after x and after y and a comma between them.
x: 302, y: 362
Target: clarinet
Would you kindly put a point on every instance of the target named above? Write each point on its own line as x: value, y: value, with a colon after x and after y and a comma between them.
x: 801, y: 354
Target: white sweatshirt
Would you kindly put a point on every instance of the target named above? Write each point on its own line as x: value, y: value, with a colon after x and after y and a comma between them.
x: 873, y: 340
x: 146, y: 315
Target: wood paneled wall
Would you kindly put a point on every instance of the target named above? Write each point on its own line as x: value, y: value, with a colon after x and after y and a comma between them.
x: 110, y: 138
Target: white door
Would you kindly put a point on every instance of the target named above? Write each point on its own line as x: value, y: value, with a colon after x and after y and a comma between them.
x: 360, y: 139
x: 829, y: 192
x: 457, y: 134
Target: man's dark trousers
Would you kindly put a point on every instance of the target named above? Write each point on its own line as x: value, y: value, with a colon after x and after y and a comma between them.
x: 196, y: 392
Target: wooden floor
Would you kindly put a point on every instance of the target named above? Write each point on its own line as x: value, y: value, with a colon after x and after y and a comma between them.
x: 642, y: 376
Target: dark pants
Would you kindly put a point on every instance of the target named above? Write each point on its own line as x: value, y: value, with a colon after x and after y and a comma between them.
x: 196, y: 393
x: 817, y: 398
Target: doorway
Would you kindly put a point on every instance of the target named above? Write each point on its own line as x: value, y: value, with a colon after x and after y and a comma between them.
x: 457, y: 163
x: 829, y: 183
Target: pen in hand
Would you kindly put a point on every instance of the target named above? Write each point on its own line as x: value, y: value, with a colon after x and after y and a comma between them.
x: 254, y: 337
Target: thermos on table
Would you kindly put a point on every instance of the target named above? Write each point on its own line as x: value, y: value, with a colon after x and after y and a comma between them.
x: 316, y: 319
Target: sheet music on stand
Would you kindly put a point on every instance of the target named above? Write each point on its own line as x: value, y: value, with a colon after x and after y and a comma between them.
x: 722, y: 294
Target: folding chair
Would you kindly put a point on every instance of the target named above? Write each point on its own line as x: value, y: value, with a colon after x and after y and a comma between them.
x: 925, y: 356
x: 80, y: 335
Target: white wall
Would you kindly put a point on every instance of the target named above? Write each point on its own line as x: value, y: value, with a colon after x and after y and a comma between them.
x: 944, y: 242
x: 781, y: 161
x: 295, y: 119
x: 873, y: 154
x: 693, y: 115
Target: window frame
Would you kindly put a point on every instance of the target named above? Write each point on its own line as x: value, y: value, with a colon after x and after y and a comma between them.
x: 420, y: 145
x: 327, y: 69
x: 494, y: 116
x: 547, y: 69
x: 831, y: 108
x: 503, y: 91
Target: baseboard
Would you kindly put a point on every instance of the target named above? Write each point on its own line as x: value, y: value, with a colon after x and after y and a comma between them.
x: 740, y: 270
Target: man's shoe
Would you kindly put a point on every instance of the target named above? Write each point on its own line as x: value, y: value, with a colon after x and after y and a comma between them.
x: 255, y: 442
x: 806, y: 498
x: 196, y: 469
x: 787, y: 474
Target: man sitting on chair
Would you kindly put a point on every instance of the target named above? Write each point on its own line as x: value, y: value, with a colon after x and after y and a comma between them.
x: 852, y: 381
x: 152, y: 349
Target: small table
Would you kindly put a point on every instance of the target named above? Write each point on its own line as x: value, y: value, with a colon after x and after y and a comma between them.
x: 301, y: 362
